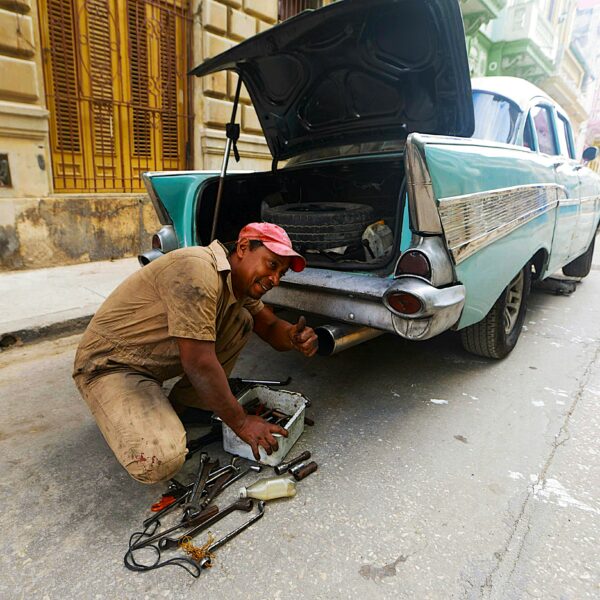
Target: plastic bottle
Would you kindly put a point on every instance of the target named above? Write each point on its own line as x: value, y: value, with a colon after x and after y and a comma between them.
x: 270, y: 488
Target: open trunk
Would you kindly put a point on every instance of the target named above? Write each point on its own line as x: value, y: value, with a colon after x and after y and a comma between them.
x: 341, y: 215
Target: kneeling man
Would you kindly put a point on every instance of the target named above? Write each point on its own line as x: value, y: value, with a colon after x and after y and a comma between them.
x: 187, y: 313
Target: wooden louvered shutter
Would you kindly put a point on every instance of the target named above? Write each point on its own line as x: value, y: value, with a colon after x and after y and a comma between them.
x: 62, y: 92
x: 116, y: 86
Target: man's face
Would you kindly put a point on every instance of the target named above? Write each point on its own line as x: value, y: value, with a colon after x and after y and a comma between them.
x: 257, y: 271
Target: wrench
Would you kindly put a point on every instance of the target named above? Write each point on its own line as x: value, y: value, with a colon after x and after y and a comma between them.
x: 206, y: 561
x: 192, y: 507
x: 244, y: 504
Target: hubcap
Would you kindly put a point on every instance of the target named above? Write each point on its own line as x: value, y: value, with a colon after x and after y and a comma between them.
x: 514, y: 298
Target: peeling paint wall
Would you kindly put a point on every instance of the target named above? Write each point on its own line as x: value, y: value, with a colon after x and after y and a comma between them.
x: 64, y: 230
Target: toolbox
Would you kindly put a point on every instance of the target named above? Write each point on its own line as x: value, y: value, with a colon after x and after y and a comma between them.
x: 290, y: 403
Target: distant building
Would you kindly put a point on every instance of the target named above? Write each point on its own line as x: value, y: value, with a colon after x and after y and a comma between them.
x: 586, y: 34
x: 531, y: 39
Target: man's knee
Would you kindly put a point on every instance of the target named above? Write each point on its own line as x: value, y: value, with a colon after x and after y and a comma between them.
x: 154, y: 468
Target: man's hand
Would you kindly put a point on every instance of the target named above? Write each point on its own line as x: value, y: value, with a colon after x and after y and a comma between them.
x: 285, y: 336
x: 303, y: 338
x: 257, y: 432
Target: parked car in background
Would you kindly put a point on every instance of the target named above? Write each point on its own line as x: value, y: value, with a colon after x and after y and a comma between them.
x: 421, y: 204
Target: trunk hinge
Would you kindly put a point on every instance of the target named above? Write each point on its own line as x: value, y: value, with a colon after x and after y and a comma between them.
x: 232, y: 131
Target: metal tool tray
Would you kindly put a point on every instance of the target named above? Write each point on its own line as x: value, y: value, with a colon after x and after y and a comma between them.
x: 291, y: 403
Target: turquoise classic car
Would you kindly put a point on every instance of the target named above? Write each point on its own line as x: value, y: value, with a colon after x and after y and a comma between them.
x: 422, y: 203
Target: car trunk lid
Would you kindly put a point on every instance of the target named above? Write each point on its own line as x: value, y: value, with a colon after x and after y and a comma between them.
x: 356, y: 71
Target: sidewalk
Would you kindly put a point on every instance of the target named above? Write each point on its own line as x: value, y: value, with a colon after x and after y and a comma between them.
x: 45, y: 302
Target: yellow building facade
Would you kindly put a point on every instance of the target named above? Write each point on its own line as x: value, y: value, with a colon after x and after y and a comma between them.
x: 95, y: 92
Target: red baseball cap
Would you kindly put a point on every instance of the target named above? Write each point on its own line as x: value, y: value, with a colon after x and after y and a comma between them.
x: 275, y: 239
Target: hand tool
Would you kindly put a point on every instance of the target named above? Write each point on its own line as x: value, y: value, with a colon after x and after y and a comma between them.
x: 266, y: 382
x: 285, y: 466
x: 206, y: 561
x: 255, y: 468
x: 304, y: 470
x: 244, y: 504
x: 193, y: 505
x: 197, y: 521
x: 232, y: 466
x: 182, y: 492
x: 216, y: 489
x: 174, y: 492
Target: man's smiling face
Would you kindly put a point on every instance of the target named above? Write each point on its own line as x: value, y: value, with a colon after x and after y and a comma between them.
x: 256, y: 271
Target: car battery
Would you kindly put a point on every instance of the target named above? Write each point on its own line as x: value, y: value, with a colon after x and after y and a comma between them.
x: 289, y: 403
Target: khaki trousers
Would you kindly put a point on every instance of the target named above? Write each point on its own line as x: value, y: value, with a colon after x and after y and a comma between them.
x: 138, y: 420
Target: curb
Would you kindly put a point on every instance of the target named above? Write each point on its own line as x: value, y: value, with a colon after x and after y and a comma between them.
x: 35, y: 334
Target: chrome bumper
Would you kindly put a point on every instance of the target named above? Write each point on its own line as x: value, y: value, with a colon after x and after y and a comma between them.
x: 358, y: 299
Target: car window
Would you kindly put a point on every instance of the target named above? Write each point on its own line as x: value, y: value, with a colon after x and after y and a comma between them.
x: 528, y: 135
x: 564, y: 137
x: 542, y: 120
x: 495, y: 117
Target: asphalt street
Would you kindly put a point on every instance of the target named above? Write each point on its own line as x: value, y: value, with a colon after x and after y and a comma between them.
x: 441, y: 475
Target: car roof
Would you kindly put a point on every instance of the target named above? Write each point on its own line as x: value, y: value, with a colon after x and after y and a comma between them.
x: 520, y: 91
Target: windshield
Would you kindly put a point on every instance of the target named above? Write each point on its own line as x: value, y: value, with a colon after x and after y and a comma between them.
x: 495, y: 117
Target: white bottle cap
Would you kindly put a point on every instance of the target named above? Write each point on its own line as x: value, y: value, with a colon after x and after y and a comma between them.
x: 243, y: 493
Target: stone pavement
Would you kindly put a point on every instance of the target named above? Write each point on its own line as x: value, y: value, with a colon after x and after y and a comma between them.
x: 54, y: 301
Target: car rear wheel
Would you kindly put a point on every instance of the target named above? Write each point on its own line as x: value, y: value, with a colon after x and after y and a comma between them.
x: 321, y: 225
x: 582, y: 265
x: 497, y: 334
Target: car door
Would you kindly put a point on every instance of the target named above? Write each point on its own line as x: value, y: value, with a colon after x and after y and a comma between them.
x: 543, y: 117
x: 586, y: 218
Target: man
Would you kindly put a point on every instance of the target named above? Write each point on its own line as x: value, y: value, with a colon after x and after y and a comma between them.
x: 189, y: 312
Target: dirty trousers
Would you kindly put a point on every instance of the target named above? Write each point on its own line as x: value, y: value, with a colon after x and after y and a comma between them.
x: 139, y: 421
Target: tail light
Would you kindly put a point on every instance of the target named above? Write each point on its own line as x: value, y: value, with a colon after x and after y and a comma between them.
x: 404, y: 303
x: 165, y: 239
x: 414, y: 262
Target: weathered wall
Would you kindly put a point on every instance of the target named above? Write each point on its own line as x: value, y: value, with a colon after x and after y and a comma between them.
x: 23, y: 117
x: 43, y: 232
x: 219, y: 25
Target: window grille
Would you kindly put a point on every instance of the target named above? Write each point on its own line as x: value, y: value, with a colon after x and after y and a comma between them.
x: 290, y: 8
x: 116, y: 88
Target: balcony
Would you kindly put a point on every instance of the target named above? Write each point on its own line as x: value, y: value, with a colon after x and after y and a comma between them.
x: 525, y: 21
x: 565, y: 85
x: 479, y: 12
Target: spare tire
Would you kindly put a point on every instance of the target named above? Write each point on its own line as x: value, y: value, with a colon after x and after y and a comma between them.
x: 321, y: 225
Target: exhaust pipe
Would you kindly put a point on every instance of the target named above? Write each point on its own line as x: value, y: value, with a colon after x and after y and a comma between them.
x: 341, y: 336
x: 147, y: 257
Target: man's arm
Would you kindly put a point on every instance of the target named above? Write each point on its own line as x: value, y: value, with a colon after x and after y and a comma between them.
x: 283, y: 336
x: 206, y: 374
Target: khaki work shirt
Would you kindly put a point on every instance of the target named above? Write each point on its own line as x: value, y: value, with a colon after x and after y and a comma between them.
x: 186, y: 293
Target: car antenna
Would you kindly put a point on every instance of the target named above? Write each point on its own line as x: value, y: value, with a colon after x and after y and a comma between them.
x: 232, y: 131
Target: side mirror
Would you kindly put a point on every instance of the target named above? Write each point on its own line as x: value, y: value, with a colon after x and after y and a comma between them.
x: 589, y: 154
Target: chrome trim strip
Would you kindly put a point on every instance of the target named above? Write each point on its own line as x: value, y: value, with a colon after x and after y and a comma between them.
x: 424, y: 215
x: 335, y: 282
x: 168, y: 238
x: 161, y: 212
x: 442, y: 269
x: 474, y: 221
x: 587, y: 199
x: 357, y: 310
x: 441, y: 308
